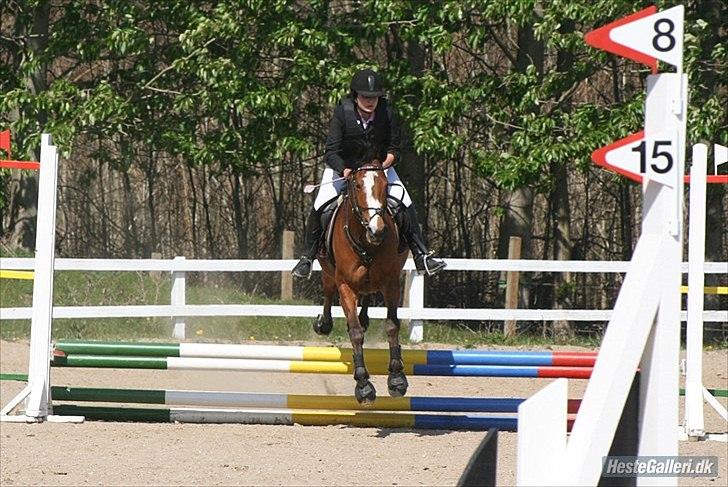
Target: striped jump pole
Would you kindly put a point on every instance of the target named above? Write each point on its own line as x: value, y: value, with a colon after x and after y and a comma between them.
x: 328, y: 354
x: 290, y: 417
x: 312, y: 367
x: 291, y: 401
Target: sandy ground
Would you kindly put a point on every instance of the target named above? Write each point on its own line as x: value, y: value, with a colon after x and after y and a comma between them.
x: 97, y: 453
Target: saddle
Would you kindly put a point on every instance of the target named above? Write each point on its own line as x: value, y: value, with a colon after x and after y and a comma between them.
x: 328, y: 215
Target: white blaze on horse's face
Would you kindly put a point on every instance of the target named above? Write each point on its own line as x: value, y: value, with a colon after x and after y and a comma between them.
x: 376, y: 222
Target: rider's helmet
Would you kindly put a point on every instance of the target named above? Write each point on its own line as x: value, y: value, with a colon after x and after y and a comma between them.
x: 368, y: 83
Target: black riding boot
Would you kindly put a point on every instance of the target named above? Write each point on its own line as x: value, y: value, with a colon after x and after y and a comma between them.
x: 313, y: 236
x: 424, y: 261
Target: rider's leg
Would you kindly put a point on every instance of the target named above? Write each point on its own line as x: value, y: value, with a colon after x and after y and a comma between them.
x: 313, y: 236
x: 329, y: 189
x: 409, y: 226
x: 424, y: 260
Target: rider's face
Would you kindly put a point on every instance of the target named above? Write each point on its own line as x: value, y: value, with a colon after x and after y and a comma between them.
x: 367, y: 103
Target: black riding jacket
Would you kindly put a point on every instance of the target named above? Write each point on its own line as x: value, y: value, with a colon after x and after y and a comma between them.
x: 348, y: 143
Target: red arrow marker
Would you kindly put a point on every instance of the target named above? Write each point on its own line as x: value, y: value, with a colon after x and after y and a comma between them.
x: 599, y: 156
x: 600, y: 39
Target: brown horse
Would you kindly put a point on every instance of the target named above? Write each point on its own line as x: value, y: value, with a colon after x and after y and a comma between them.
x: 365, y: 245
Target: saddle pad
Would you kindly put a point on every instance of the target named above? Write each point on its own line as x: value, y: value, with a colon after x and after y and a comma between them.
x: 329, y: 229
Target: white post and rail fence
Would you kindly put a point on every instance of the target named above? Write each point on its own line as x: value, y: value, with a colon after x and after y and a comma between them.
x: 177, y: 309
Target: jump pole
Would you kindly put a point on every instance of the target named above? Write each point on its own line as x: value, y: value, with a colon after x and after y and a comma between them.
x: 290, y: 417
x: 327, y: 354
x: 291, y: 401
x: 313, y: 367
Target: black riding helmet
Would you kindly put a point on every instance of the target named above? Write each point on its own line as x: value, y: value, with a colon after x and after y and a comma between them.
x: 367, y: 82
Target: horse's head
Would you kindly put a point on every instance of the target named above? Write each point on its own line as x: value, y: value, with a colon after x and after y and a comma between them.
x: 368, y: 195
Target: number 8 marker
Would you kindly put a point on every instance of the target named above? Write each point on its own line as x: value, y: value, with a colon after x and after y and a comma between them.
x: 659, y: 35
x: 644, y: 36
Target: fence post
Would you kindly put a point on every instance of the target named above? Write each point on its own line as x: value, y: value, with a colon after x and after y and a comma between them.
x: 416, y: 299
x: 178, y: 298
x: 286, y: 277
x: 514, y: 253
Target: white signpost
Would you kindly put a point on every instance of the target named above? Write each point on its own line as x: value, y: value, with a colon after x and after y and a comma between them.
x: 644, y: 332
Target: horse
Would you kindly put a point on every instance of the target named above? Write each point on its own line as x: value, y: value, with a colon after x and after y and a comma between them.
x: 368, y: 260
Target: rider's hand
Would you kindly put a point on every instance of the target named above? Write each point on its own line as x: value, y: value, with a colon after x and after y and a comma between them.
x: 388, y: 161
x: 347, y: 171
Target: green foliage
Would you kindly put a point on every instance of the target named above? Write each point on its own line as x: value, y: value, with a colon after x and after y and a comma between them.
x: 507, y: 86
x: 243, y: 82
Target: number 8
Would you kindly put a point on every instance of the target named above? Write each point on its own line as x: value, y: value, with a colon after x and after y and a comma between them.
x: 661, y: 33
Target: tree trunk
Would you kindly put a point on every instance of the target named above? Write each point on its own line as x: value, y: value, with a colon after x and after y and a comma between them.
x: 239, y: 219
x: 414, y: 163
x: 131, y: 236
x: 561, y: 216
x: 193, y: 213
x: 23, y: 207
x: 517, y: 221
x: 562, y: 245
x: 151, y: 172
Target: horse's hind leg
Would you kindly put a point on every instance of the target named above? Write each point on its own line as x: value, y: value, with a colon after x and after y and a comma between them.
x: 397, y: 381
x: 323, y: 324
x: 364, y: 390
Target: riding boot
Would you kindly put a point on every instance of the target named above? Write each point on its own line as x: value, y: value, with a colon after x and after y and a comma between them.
x: 424, y: 261
x: 314, y: 231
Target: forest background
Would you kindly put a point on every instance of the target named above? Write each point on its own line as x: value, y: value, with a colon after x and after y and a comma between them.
x: 190, y: 128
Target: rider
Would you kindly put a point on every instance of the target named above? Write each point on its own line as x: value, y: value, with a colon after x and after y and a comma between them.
x: 364, y: 119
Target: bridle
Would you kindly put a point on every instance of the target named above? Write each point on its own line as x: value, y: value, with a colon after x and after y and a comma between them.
x: 351, y: 194
x: 364, y: 254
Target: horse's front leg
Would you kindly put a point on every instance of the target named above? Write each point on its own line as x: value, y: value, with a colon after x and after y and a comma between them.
x: 364, y: 390
x: 364, y: 312
x: 323, y: 324
x: 397, y: 381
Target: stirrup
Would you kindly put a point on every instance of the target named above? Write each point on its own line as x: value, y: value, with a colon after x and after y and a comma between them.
x: 426, y: 271
x: 297, y: 273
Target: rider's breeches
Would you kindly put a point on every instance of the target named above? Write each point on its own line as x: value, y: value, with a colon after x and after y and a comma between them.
x: 328, y: 190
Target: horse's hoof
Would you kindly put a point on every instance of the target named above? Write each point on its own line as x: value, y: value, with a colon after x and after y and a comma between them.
x: 365, y: 392
x: 323, y: 325
x: 397, y: 383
